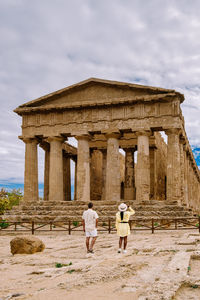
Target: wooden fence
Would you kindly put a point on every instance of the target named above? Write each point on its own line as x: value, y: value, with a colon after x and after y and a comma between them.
x: 70, y: 226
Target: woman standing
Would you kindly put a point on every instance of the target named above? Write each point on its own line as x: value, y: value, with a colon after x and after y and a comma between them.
x: 122, y: 225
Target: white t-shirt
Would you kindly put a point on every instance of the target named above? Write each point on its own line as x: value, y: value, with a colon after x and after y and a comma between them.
x: 90, y: 216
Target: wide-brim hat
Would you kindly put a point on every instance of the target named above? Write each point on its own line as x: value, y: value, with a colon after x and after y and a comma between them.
x: 122, y: 207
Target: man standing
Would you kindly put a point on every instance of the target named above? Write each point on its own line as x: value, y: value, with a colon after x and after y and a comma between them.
x: 90, y: 222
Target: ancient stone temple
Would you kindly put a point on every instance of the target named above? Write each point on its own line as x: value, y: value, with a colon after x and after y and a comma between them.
x: 105, y: 116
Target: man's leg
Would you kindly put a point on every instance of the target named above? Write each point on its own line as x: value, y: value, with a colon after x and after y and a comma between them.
x: 88, y: 243
x: 125, y: 242
x: 93, y: 242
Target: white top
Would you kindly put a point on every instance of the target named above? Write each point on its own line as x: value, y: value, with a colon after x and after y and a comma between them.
x: 90, y: 216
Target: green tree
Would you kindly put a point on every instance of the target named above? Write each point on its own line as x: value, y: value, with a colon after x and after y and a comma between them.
x: 9, y: 199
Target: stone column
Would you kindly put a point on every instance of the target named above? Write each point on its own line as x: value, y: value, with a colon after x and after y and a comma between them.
x: 173, y: 165
x: 129, y: 184
x: 113, y: 168
x: 189, y: 181
x: 66, y: 178
x: 104, y: 160
x: 56, y: 169
x: 182, y: 171
x: 46, y: 172
x: 31, y: 170
x: 83, y: 168
x: 152, y: 161
x: 75, y: 179
x: 185, y: 152
x: 143, y: 167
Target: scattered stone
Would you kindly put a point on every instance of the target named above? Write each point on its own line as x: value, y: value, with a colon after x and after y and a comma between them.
x: 16, y: 295
x: 26, y: 245
x: 187, y: 242
x: 36, y: 273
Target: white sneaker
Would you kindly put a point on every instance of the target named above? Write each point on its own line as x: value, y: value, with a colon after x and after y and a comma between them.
x: 124, y: 251
x: 119, y: 250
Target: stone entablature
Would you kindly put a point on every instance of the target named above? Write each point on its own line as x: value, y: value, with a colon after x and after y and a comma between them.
x: 106, y: 116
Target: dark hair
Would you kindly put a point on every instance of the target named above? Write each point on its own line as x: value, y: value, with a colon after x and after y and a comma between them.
x: 121, y: 215
x: 90, y: 205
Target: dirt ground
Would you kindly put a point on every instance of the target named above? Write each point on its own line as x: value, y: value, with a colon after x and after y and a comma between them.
x: 164, y: 265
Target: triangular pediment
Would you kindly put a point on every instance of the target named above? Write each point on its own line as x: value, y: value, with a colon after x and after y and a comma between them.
x: 95, y: 91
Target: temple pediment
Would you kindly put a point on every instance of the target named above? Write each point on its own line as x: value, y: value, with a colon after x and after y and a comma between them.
x: 95, y: 92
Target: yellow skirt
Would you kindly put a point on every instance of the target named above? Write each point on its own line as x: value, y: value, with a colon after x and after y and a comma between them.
x: 123, y: 229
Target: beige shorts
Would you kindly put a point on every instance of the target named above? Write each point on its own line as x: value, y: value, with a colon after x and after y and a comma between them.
x: 92, y: 233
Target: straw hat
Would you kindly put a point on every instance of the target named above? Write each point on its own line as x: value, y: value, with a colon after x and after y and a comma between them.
x: 122, y: 207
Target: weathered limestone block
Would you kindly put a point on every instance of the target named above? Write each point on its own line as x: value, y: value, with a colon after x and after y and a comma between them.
x: 26, y: 245
x: 143, y: 167
x: 83, y: 169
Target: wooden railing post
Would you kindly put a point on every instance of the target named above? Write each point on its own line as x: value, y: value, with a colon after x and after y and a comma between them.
x: 15, y: 226
x: 50, y: 226
x: 152, y: 225
x: 32, y: 227
x: 109, y: 226
x: 199, y: 224
x: 175, y: 223
x: 69, y: 227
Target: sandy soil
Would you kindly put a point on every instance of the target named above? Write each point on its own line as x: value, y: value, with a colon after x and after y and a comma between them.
x: 160, y: 266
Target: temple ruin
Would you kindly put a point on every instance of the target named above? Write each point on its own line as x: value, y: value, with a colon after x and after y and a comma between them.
x: 105, y: 116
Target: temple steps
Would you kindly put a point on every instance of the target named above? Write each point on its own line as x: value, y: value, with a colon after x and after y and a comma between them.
x: 46, y: 211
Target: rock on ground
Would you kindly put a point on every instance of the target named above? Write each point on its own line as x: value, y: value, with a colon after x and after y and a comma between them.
x: 26, y: 245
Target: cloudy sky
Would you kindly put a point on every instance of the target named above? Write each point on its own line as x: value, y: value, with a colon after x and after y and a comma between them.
x: 47, y: 45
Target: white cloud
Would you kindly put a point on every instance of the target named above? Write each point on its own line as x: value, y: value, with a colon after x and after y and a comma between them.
x: 47, y: 45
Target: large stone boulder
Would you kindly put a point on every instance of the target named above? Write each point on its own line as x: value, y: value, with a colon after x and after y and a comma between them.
x: 26, y: 245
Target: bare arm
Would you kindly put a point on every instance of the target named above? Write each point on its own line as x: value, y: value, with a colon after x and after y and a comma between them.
x: 97, y: 222
x: 132, y: 212
x: 83, y: 222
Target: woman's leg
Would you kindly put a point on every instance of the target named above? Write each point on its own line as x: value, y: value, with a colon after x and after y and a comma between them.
x: 120, y: 242
x: 125, y: 242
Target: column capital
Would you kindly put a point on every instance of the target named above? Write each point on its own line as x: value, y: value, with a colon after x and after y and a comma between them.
x: 83, y: 137
x: 28, y: 140
x: 175, y: 131
x: 111, y: 133
x: 143, y: 132
x: 115, y: 135
x: 55, y: 138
